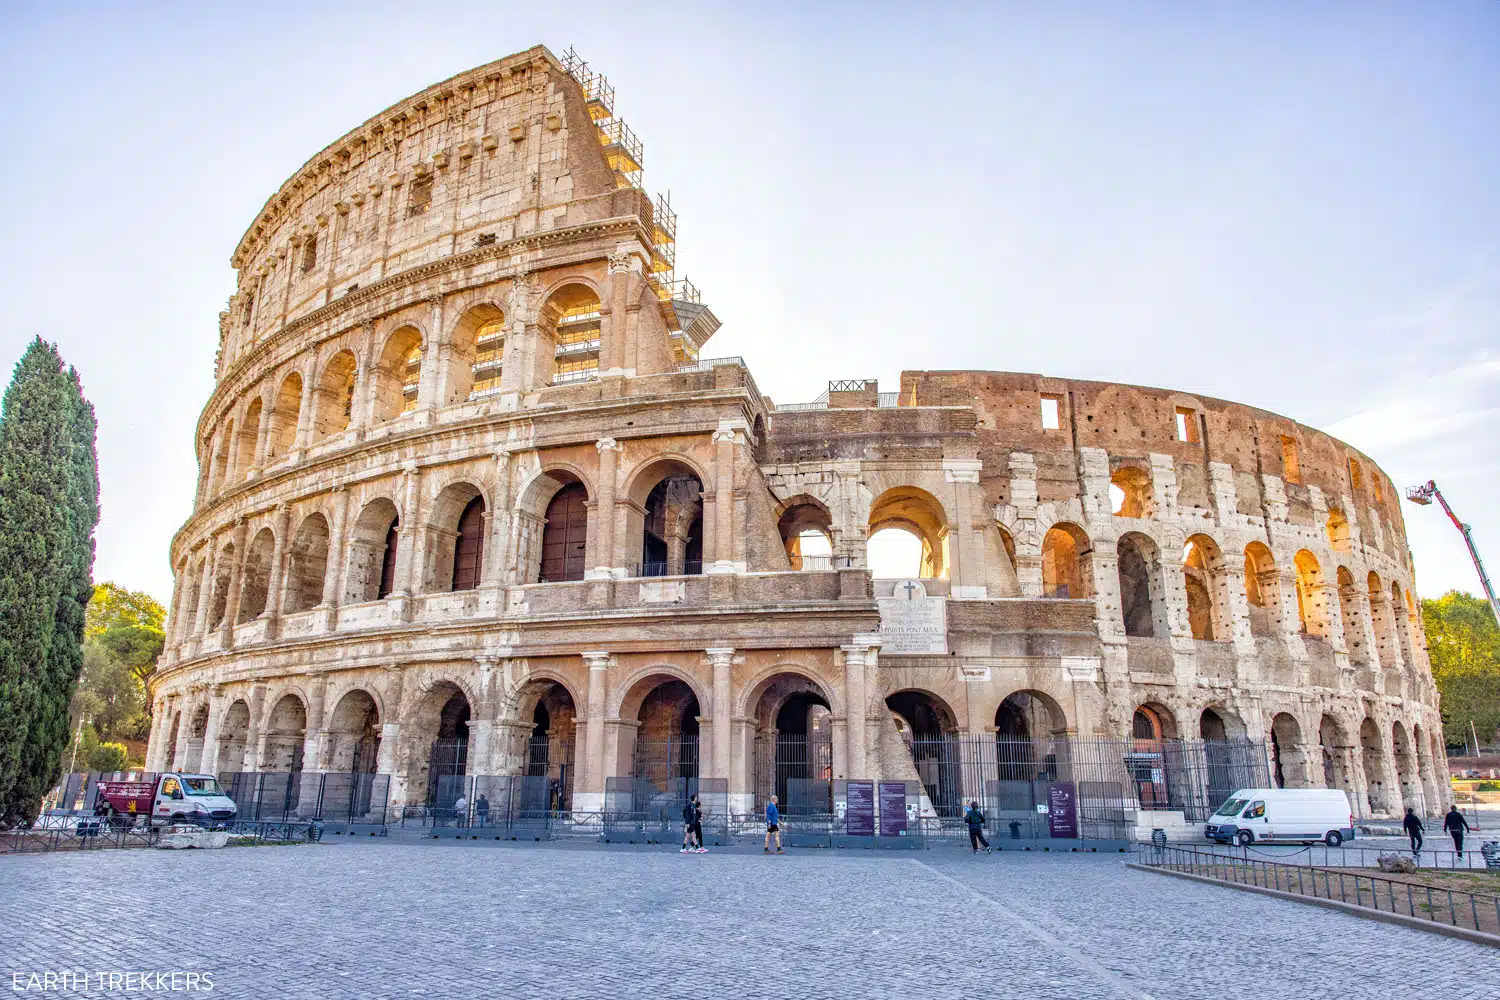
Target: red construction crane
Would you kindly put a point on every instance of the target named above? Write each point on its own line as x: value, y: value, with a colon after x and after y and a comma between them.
x: 1423, y: 495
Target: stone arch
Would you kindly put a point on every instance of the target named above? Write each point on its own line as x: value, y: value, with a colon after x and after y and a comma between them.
x: 396, y: 380
x: 285, y: 733
x: 666, y: 532
x: 662, y: 747
x: 1065, y: 562
x: 194, y: 584
x: 1219, y: 723
x: 801, y: 521
x: 794, y: 751
x: 1141, y: 587
x: 1262, y: 589
x: 234, y: 731
x: 752, y: 692
x: 476, y: 353
x: 1024, y: 722
x: 249, y: 440
x: 571, y: 319
x: 1312, y: 599
x: 1337, y: 751
x: 436, y: 732
x: 223, y: 573
x: 919, y: 513
x: 197, y: 730
x: 1131, y: 493
x: 286, y: 406
x: 626, y: 701
x: 307, y: 565
x: 1207, y: 589
x: 1372, y: 754
x: 374, y: 544
x: 1231, y: 761
x: 333, y: 396
x: 1354, y: 632
x: 1337, y: 530
x: 455, y: 538
x: 545, y: 751
x: 1405, y: 615
x: 1384, y: 654
x: 925, y: 726
x: 1405, y: 766
x: 1288, y: 756
x: 220, y: 480
x: 255, y: 577
x: 354, y: 732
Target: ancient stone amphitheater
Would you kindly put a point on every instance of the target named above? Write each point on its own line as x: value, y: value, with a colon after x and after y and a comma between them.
x: 471, y: 502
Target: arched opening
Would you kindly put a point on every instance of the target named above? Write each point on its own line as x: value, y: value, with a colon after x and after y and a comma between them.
x: 333, y: 399
x: 1373, y: 754
x: 456, y: 553
x: 1140, y: 582
x: 244, y: 462
x: 255, y: 578
x: 565, y: 532
x: 1065, y: 566
x: 671, y: 524
x: 373, y: 547
x: 1262, y: 589
x: 286, y: 734
x: 234, y: 730
x: 1336, y: 750
x: 397, y: 378
x: 1232, y: 761
x: 477, y: 354
x: 1354, y: 633
x: 443, y: 719
x: 221, y: 471
x: 1384, y: 655
x: 1203, y: 578
x: 354, y: 734
x: 1288, y: 760
x: 794, y: 746
x: 1411, y: 792
x: 1150, y: 726
x: 307, y: 564
x: 1024, y: 724
x: 171, y: 759
x: 572, y: 316
x: 806, y: 530
x: 664, y: 751
x: 224, y: 572
x: 549, y: 749
x: 1405, y: 617
x: 1130, y: 492
x: 929, y: 728
x: 193, y: 582
x: 281, y: 432
x: 908, y: 535
x: 1337, y: 529
x: 1312, y: 601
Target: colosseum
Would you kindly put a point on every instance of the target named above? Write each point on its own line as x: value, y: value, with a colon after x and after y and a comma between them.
x: 474, y: 502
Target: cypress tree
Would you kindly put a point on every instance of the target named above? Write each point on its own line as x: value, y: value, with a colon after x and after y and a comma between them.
x: 48, y: 511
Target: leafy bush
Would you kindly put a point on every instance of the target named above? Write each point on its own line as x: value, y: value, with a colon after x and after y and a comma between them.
x: 1487, y: 786
x: 108, y: 757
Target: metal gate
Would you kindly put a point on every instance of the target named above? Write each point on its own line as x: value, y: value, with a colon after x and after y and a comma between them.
x: 798, y: 769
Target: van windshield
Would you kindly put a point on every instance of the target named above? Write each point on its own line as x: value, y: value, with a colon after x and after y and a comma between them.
x: 202, y: 786
x: 1231, y: 808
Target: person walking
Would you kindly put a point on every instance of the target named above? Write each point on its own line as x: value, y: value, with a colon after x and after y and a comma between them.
x: 1413, y: 827
x: 482, y: 809
x: 1455, y: 824
x: 691, y: 827
x: 773, y: 826
x: 975, y: 819
x: 698, y: 824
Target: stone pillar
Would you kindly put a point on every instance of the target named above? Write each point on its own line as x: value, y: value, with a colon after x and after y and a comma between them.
x: 406, y: 555
x: 615, y: 329
x: 432, y: 390
x: 184, y: 719
x: 262, y: 438
x: 256, y: 703
x: 313, y: 756
x: 497, y: 544
x: 209, y: 764
x: 722, y: 660
x: 606, y: 559
x: 588, y: 794
x: 278, y: 566
x: 859, y: 665
x: 304, y: 415
x: 236, y: 574
x: 725, y: 439
x: 966, y: 571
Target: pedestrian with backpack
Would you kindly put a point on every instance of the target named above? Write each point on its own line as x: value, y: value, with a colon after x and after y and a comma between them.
x: 975, y: 819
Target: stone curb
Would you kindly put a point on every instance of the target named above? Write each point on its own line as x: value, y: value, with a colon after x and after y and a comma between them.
x: 1416, y: 923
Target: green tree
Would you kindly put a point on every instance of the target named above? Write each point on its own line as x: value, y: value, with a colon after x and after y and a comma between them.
x: 109, y: 757
x: 49, y: 507
x: 112, y: 606
x: 1463, y: 643
x: 109, y: 693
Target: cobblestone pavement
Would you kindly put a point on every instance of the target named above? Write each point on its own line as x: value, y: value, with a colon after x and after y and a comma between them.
x: 387, y: 920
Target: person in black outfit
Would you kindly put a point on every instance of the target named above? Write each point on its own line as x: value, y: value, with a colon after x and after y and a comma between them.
x: 1455, y: 824
x: 1413, y: 827
x: 975, y: 819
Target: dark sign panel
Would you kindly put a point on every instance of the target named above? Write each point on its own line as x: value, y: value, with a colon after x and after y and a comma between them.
x: 1062, y: 810
x: 893, y: 808
x: 859, y: 819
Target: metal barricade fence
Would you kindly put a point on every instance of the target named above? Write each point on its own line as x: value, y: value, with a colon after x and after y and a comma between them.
x: 343, y: 798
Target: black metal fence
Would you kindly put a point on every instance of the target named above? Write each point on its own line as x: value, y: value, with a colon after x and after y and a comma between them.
x: 798, y: 769
x: 638, y: 810
x: 356, y: 798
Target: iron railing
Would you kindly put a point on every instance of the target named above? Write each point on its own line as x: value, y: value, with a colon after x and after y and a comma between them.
x: 1405, y: 897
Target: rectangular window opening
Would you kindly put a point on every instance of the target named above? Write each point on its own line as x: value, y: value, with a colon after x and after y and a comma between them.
x: 309, y: 254
x: 1355, y: 480
x: 1051, y: 413
x: 1187, y: 424
x: 419, y: 196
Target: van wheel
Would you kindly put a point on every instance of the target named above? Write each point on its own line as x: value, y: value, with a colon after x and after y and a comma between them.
x: 1244, y: 838
x: 1333, y: 838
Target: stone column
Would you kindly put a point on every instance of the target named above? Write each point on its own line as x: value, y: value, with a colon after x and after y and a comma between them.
x: 333, y: 573
x: 723, y: 539
x: 588, y: 795
x: 201, y: 623
x: 497, y: 544
x: 257, y: 704
x: 184, y: 719
x: 236, y: 574
x: 312, y: 737
x: 966, y: 550
x: 614, y: 332
x: 262, y: 438
x: 606, y: 559
x: 278, y: 567
x: 722, y: 660
x: 209, y: 763
x: 304, y: 414
x: 406, y: 555
x: 859, y: 664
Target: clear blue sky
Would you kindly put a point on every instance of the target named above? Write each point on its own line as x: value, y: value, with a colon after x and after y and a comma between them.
x: 1290, y: 205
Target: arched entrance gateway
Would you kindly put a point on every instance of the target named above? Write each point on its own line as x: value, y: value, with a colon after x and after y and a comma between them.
x: 928, y: 729
x: 794, y: 746
x: 547, y: 768
x: 439, y: 746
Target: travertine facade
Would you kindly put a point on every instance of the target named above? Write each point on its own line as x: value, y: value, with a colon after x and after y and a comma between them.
x: 464, y: 480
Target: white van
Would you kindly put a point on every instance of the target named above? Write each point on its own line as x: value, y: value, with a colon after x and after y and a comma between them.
x: 1302, y: 815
